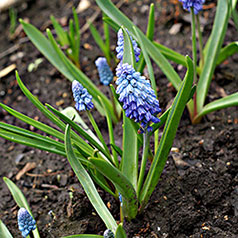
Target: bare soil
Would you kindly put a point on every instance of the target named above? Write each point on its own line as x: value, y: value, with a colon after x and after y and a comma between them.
x: 197, y: 195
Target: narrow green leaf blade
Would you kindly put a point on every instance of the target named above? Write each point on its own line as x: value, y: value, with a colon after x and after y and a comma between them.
x: 20, y: 200
x: 62, y: 63
x: 4, y: 232
x: 82, y: 132
x: 98, y: 39
x: 216, y: 40
x: 227, y: 51
x: 88, y: 184
x: 171, y: 54
x: 228, y: 101
x: 62, y: 35
x: 169, y: 132
x: 39, y: 143
x: 129, y: 162
x: 47, y: 129
x: 121, y: 182
x: 83, y: 236
x: 120, y: 232
x: 148, y: 62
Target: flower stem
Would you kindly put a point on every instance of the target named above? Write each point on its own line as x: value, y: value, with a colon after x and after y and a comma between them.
x: 194, y: 44
x: 146, y: 143
x: 200, y: 40
x: 31, y: 234
x: 98, y: 132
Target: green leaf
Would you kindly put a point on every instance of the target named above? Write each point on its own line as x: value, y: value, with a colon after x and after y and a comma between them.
x: 62, y: 35
x: 128, y: 51
x: 52, y: 117
x: 47, y: 129
x: 81, y: 131
x: 148, y: 62
x: 98, y: 39
x: 20, y: 200
x: 129, y: 162
x: 76, y: 36
x: 151, y: 23
x: 119, y: 18
x: 71, y: 113
x: 212, y: 52
x: 4, y: 232
x: 168, y: 135
x: 149, y: 34
x: 83, y: 236
x: 227, y: 51
x: 109, y: 21
x: 111, y: 136
x: 21, y: 136
x: 228, y: 101
x: 120, y: 181
x: 234, y: 13
x: 88, y: 184
x: 120, y: 232
x: 117, y: 149
x: 57, y: 58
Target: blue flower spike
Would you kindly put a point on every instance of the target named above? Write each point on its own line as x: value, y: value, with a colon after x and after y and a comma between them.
x: 108, y: 234
x: 105, y: 73
x: 138, y: 98
x: 196, y: 4
x: 26, y: 223
x: 81, y: 96
x: 120, y: 46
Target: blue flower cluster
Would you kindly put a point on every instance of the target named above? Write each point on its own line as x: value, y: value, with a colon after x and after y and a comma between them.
x: 105, y: 73
x: 120, y: 46
x: 81, y: 96
x: 26, y: 223
x: 138, y: 98
x: 196, y: 4
x: 108, y: 234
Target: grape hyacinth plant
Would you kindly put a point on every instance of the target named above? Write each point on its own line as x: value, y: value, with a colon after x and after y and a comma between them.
x: 105, y: 73
x: 26, y: 223
x: 91, y: 158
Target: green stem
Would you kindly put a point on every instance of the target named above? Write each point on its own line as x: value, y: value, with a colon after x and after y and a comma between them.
x: 156, y: 141
x: 200, y: 40
x: 98, y: 132
x: 194, y: 44
x: 146, y: 143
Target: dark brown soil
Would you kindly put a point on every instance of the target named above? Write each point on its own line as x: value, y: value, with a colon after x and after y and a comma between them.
x: 197, y: 195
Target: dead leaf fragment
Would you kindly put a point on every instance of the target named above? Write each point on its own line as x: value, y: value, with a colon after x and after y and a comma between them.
x: 29, y: 166
x: 83, y: 5
x: 7, y: 70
